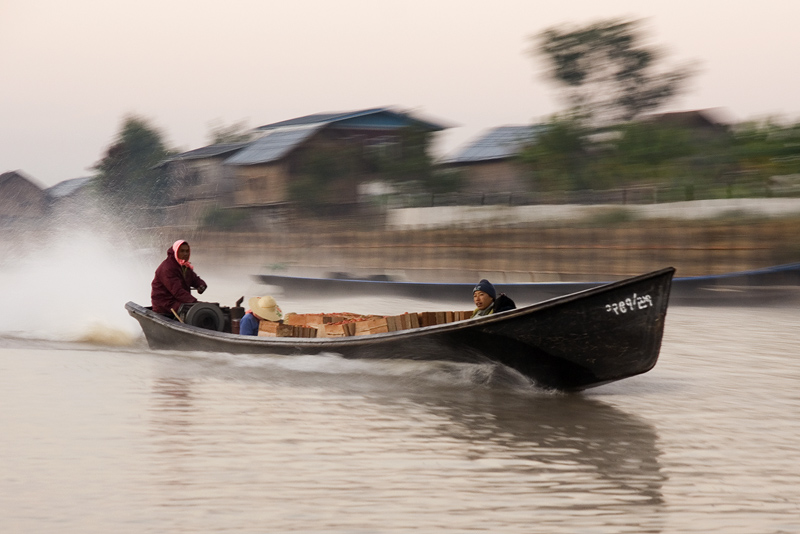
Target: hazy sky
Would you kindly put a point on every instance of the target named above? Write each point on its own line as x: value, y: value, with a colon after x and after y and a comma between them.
x: 71, y: 70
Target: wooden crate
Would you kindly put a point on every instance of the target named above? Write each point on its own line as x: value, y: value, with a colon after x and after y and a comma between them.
x: 403, y: 321
x: 427, y: 318
x: 434, y: 318
x: 375, y: 325
x: 340, y: 329
x: 304, y: 319
x: 273, y: 329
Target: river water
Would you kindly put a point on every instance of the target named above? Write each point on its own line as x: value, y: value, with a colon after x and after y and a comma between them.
x: 99, y: 434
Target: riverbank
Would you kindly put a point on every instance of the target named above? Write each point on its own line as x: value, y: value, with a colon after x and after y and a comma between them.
x: 461, y: 244
x: 534, y: 244
x: 697, y: 210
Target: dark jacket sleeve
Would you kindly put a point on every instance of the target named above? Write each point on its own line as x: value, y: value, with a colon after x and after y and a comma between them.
x: 195, y: 281
x: 503, y: 303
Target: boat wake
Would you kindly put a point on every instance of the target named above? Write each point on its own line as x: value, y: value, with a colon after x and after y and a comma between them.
x: 322, y: 367
x: 70, y: 288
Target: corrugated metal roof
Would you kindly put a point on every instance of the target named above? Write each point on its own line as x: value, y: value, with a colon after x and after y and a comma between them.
x: 67, y: 187
x: 281, y: 137
x: 207, y: 151
x: 319, y: 118
x: 369, y: 118
x: 7, y: 176
x: 498, y: 143
x: 274, y: 145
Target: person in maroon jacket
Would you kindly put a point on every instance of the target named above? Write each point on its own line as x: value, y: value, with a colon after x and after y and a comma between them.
x: 174, y: 280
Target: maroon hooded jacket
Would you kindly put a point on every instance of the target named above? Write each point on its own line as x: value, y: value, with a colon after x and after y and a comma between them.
x: 172, y: 284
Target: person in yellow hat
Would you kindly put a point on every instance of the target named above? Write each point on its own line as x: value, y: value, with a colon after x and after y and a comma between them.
x: 261, y: 309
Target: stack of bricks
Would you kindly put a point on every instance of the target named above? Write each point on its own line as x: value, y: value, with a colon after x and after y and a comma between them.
x: 351, y: 324
x: 434, y: 318
x: 272, y: 329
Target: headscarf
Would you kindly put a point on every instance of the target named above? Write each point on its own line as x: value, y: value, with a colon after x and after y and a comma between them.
x: 183, y: 263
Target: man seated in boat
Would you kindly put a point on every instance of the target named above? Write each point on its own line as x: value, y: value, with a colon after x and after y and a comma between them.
x: 487, y: 301
x: 174, y: 280
x: 261, y: 309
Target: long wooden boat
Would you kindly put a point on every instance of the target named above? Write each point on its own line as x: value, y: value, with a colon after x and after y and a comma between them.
x: 770, y: 286
x: 573, y: 342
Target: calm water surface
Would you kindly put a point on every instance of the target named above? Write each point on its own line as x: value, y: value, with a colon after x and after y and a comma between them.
x: 97, y: 438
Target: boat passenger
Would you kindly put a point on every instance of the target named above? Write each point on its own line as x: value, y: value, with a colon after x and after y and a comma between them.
x: 487, y: 301
x: 261, y: 309
x: 174, y: 280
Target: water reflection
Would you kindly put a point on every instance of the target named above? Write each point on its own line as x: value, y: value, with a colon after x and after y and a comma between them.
x: 303, y: 439
x: 572, y: 438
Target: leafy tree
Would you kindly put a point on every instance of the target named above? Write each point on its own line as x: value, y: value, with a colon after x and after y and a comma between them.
x: 559, y: 155
x: 645, y: 151
x: 759, y: 150
x: 128, y: 173
x: 408, y: 160
x: 606, y: 70
x: 566, y: 155
x: 328, y: 175
x: 443, y: 181
x: 767, y: 147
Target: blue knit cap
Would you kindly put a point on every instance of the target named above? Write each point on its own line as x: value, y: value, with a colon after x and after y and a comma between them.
x: 485, y: 286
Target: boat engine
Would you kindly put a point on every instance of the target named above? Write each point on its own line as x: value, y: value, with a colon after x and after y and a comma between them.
x: 208, y: 315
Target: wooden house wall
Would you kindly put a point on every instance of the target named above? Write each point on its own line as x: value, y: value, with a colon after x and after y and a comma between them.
x: 190, y: 213
x: 494, y: 177
x: 261, y: 184
x: 269, y: 183
x: 201, y: 178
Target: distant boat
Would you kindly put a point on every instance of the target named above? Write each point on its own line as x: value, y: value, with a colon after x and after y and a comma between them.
x: 769, y: 286
x: 572, y: 342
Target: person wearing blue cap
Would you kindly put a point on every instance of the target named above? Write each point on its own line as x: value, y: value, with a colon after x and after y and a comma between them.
x: 486, y: 300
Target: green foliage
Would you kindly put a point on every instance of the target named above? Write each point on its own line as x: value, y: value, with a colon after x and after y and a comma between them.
x: 127, y: 174
x: 559, y: 156
x: 606, y: 71
x: 649, y: 144
x: 408, y: 161
x: 444, y: 181
x: 568, y: 156
x: 328, y: 175
x: 767, y: 148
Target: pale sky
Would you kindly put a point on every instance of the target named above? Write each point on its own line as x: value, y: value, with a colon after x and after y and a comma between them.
x: 73, y: 69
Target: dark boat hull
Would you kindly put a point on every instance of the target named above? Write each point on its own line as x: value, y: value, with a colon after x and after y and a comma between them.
x: 573, y: 342
x: 771, y: 286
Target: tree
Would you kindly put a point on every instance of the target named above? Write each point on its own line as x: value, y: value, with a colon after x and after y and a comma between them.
x: 328, y: 176
x: 559, y: 155
x: 766, y: 148
x: 128, y: 174
x: 648, y: 151
x: 405, y: 159
x: 608, y: 73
